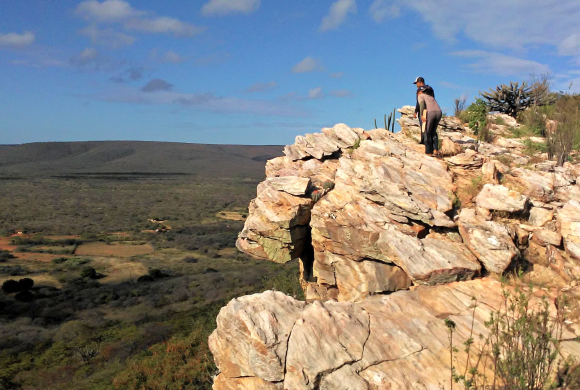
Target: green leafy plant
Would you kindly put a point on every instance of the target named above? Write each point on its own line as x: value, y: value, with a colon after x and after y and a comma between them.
x: 477, y: 115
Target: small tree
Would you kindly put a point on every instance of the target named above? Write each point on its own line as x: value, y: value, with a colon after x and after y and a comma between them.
x: 563, y: 138
x: 88, y: 272
x: 25, y: 284
x: 460, y: 104
x: 477, y: 116
x: 10, y: 286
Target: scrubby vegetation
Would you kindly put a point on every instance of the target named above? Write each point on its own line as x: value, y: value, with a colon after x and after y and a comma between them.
x: 521, y: 349
x: 121, y: 320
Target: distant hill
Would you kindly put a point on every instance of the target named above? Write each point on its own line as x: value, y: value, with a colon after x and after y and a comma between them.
x: 134, y: 157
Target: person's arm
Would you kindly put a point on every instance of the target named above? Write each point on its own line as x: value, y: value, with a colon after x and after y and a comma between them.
x: 416, y: 106
x: 422, y: 105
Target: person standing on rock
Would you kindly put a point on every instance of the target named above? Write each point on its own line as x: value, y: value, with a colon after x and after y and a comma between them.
x: 433, y: 116
x: 420, y: 83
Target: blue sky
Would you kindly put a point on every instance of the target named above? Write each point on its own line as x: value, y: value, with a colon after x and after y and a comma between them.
x: 260, y: 71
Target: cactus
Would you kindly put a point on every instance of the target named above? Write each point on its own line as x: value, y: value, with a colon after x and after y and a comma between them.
x: 513, y: 98
x: 375, y: 123
x: 328, y: 185
x: 385, y: 121
x: 394, y: 116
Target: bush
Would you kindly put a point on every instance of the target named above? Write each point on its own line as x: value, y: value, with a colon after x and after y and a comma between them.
x: 157, y: 273
x: 5, y: 255
x: 145, y: 278
x: 88, y: 272
x: 24, y: 296
x: 25, y: 284
x: 566, y: 135
x: 59, y: 260
x: 521, y: 348
x: 10, y: 286
x: 190, y: 259
x: 477, y: 116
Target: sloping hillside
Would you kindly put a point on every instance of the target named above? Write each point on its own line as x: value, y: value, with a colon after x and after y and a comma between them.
x: 134, y: 157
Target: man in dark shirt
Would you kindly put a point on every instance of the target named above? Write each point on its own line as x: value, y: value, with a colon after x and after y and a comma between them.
x: 420, y: 82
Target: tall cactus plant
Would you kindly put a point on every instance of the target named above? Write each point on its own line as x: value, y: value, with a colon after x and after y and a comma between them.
x: 513, y: 98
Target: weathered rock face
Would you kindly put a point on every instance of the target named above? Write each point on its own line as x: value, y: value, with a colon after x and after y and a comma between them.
x: 398, y: 341
x: 367, y: 213
x: 367, y: 231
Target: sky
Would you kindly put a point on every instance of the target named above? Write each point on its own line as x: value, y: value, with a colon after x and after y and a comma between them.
x: 261, y: 71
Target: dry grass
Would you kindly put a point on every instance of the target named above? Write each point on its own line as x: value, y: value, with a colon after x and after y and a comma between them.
x: 232, y: 215
x: 114, y: 249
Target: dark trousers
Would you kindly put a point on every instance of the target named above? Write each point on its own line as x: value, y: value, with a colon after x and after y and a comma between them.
x: 431, y: 139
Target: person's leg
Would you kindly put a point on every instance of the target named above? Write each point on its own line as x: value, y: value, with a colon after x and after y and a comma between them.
x: 436, y: 119
x: 429, y: 134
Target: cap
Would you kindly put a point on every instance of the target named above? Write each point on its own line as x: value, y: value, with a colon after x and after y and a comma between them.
x: 419, y: 79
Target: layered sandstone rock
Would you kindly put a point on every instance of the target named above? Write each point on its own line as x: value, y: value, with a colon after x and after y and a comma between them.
x: 387, y: 252
x: 398, y: 341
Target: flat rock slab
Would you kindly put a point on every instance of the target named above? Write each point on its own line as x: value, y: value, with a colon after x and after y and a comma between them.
x: 293, y: 185
x: 396, y: 341
x: 488, y: 240
x: 498, y: 197
x: 540, y: 216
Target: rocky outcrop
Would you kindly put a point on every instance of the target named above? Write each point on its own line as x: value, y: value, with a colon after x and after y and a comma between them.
x: 390, y: 243
x: 398, y: 341
x: 368, y: 212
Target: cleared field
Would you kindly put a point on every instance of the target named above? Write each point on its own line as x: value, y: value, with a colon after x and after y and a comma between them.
x: 118, y: 270
x: 5, y: 244
x: 42, y: 257
x: 114, y: 249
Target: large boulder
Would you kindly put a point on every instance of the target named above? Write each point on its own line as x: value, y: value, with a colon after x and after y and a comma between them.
x: 497, y: 197
x: 488, y: 240
x: 396, y: 341
x: 569, y: 223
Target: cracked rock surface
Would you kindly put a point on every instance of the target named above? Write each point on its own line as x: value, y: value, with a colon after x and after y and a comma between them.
x: 391, y: 242
x: 397, y: 341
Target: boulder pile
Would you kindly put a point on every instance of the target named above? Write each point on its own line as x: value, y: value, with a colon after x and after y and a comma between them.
x: 390, y: 241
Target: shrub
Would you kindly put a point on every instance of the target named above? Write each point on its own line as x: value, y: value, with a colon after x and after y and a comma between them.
x: 521, y: 348
x: 460, y: 104
x: 190, y: 259
x: 157, y: 273
x: 88, y: 272
x: 145, y: 279
x: 534, y: 147
x: 566, y: 135
x: 25, y: 284
x: 59, y: 260
x: 477, y: 115
x: 5, y: 255
x: 10, y: 286
x: 24, y: 296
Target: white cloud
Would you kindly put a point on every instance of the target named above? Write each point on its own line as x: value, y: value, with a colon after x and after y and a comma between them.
x: 107, y: 37
x: 204, y: 101
x: 448, y: 85
x: 91, y: 60
x: 224, y: 7
x: 163, y: 24
x: 570, y: 46
x: 501, y: 64
x: 341, y: 93
x: 315, y: 93
x: 157, y: 85
x: 308, y: 64
x: 15, y: 40
x: 499, y: 23
x: 121, y: 12
x: 262, y: 87
x: 381, y: 9
x: 173, y: 57
x: 107, y: 11
x: 337, y: 14
x: 337, y: 75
